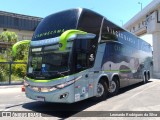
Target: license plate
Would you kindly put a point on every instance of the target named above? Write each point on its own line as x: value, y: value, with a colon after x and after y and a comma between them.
x: 40, y: 98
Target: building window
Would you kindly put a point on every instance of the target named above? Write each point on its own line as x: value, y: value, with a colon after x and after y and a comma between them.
x: 16, y: 21
x: 133, y: 28
x: 139, y: 25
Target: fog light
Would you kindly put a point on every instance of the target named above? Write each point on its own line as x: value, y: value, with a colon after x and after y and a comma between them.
x: 23, y: 88
x: 65, y: 95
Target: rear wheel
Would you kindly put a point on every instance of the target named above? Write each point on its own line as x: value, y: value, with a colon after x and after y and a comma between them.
x: 114, y: 88
x: 148, y: 76
x: 144, y: 78
x: 102, y: 90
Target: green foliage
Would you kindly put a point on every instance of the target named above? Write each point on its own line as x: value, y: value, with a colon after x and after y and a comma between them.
x: 8, y: 36
x: 19, y: 69
x: 4, y: 72
x: 22, y: 52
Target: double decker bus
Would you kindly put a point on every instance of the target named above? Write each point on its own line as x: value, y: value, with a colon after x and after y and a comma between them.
x: 77, y: 54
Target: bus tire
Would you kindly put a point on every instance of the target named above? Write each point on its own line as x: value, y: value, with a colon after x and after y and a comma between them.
x: 144, y: 78
x: 102, y: 90
x: 114, y: 87
x: 148, y: 76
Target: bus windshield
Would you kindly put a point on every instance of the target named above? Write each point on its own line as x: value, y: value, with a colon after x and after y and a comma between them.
x: 48, y: 63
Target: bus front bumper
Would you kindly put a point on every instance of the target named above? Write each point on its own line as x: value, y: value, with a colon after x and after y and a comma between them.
x: 65, y: 95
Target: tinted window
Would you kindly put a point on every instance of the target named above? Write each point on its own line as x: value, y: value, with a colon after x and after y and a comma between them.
x: 82, y: 45
x: 90, y: 22
x: 107, y: 33
x: 54, y: 25
x: 81, y: 61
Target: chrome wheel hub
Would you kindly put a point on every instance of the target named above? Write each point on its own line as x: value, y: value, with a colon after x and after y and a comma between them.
x: 100, y: 90
x: 112, y: 87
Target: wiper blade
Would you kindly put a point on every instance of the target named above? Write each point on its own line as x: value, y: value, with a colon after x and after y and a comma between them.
x: 61, y: 74
x: 52, y: 73
x: 31, y: 75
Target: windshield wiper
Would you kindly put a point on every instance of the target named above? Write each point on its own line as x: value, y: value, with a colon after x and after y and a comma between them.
x: 59, y: 73
x: 46, y: 74
x: 30, y: 75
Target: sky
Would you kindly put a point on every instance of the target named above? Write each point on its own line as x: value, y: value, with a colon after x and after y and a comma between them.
x: 117, y: 11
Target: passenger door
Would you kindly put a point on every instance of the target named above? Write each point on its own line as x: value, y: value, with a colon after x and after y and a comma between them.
x: 84, y: 60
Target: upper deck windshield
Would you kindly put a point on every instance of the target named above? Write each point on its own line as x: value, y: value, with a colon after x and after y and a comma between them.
x: 48, y: 63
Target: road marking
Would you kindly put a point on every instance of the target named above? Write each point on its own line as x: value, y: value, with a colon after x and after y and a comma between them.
x: 7, y: 109
x: 3, y: 106
x: 44, y: 118
x: 10, y: 106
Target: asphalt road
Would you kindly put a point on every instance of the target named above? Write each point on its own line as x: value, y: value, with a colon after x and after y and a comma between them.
x: 137, y: 97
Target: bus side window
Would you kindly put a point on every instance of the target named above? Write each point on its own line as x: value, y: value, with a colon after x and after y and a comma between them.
x: 85, y: 53
x: 81, y: 61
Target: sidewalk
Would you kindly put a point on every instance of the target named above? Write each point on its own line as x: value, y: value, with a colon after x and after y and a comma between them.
x: 10, y: 86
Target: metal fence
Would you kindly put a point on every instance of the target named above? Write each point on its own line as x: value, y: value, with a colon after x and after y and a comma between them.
x: 12, y: 72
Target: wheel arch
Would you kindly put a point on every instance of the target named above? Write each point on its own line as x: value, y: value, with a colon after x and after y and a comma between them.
x: 116, y: 75
x: 104, y: 77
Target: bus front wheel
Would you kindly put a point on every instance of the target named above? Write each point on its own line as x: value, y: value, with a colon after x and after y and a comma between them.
x: 102, y: 90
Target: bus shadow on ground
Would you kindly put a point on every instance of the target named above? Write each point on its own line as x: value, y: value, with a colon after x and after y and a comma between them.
x: 60, y: 110
x: 125, y: 89
x: 67, y: 110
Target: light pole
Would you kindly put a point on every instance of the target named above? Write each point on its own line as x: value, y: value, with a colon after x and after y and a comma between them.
x: 140, y: 4
x: 121, y: 22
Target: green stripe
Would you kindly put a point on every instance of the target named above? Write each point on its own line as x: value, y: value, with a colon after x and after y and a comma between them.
x: 125, y: 70
x: 43, y: 81
x: 64, y: 37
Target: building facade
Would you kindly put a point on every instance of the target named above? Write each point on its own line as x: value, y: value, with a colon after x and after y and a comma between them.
x: 22, y: 25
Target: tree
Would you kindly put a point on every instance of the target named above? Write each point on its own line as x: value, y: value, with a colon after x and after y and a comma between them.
x: 22, y: 52
x: 8, y: 38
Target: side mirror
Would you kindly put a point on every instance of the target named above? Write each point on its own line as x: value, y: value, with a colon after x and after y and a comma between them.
x: 15, y: 46
x: 70, y: 35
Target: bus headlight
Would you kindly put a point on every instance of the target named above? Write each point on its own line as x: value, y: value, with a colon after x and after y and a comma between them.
x: 51, y: 88
x: 42, y: 89
x: 60, y: 86
x: 25, y: 84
